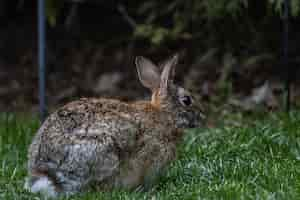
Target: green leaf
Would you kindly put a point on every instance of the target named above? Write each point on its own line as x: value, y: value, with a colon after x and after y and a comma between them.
x: 295, y: 7
x: 52, y: 10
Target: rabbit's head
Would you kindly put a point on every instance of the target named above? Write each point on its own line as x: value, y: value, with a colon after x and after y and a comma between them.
x: 166, y: 95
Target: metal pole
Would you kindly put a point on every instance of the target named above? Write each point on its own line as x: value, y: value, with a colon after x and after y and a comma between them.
x: 286, y: 7
x: 41, y: 57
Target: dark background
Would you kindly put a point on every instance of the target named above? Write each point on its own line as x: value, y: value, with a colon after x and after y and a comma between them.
x: 230, y: 51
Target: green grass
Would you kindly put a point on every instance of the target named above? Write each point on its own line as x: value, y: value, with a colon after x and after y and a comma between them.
x: 258, y: 159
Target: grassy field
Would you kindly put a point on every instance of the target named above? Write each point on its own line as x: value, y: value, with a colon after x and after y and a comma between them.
x: 257, y: 159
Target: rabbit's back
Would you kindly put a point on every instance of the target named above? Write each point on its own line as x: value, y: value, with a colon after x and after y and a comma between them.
x: 89, y: 118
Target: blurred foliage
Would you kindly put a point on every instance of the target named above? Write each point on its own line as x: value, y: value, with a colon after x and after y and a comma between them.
x: 186, y: 19
x: 294, y: 6
x: 159, y: 22
x: 182, y: 15
x: 162, y: 21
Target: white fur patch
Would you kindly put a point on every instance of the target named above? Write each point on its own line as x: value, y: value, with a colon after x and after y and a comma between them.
x: 44, y: 186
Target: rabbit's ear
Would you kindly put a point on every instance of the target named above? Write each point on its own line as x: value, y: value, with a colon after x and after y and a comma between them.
x: 168, y: 73
x: 148, y: 73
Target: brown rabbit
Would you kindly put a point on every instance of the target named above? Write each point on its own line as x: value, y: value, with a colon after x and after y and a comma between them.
x: 106, y: 143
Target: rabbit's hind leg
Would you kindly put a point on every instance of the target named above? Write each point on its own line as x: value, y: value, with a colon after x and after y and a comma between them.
x: 53, y: 183
x: 59, y: 171
x: 41, y: 183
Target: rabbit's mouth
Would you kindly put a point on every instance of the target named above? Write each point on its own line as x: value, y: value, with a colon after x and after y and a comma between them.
x: 188, y: 119
x: 194, y: 121
x: 193, y: 125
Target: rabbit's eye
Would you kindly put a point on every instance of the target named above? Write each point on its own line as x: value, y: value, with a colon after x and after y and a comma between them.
x: 186, y: 100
